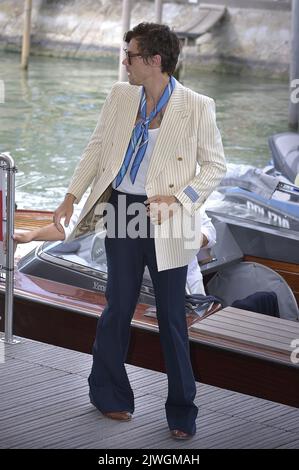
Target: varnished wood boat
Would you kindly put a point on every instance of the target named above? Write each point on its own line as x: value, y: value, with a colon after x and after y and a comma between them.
x: 26, y: 219
x: 233, y: 349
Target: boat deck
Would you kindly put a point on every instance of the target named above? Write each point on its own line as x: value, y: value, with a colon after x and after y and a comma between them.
x: 29, y: 219
x: 44, y: 404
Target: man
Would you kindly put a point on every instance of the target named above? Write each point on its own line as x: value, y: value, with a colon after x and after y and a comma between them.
x: 150, y: 135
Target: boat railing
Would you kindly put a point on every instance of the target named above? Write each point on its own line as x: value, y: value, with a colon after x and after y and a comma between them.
x: 289, y: 188
x: 7, y: 210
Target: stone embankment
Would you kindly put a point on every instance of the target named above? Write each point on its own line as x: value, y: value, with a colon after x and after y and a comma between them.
x: 247, y: 41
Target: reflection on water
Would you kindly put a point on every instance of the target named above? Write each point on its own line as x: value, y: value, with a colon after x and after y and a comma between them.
x: 50, y: 112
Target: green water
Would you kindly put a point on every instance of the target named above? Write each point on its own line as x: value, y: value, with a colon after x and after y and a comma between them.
x: 50, y: 112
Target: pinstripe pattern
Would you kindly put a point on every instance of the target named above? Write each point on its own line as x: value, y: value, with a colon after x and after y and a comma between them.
x: 188, y: 135
x: 139, y: 140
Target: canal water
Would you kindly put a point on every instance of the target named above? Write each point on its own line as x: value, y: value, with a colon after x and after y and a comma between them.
x: 50, y: 112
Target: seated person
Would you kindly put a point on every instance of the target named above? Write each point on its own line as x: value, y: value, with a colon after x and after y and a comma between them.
x: 194, y: 283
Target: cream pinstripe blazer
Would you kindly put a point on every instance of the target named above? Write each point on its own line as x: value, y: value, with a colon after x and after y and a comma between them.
x: 188, y: 135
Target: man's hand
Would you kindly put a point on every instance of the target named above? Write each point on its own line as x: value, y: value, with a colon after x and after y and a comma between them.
x: 159, y: 208
x: 65, y: 209
x: 204, y: 240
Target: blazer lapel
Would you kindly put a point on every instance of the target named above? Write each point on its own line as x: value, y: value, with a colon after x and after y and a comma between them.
x: 171, y: 132
x: 127, y: 113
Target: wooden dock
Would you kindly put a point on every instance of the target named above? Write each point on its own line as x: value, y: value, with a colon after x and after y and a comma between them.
x: 44, y: 405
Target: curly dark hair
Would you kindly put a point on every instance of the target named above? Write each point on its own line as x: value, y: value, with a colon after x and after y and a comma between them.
x: 154, y: 38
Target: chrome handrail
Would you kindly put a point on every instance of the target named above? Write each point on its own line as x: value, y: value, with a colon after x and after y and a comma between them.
x: 7, y: 164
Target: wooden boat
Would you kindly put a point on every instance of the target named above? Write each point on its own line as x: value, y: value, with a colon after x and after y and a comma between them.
x: 234, y: 349
x: 28, y: 220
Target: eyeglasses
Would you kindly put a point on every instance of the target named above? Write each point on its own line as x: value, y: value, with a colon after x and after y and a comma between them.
x: 129, y: 55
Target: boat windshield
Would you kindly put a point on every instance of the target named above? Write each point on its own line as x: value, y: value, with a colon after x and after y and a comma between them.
x: 87, y: 251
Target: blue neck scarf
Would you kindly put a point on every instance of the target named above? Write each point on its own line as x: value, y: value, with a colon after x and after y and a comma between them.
x: 139, y: 140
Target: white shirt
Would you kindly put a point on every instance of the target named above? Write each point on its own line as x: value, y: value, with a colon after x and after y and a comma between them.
x: 126, y: 186
x: 194, y: 282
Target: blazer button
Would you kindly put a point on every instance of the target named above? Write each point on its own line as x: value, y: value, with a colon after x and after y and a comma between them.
x: 180, y: 159
x: 171, y: 185
x: 104, y: 169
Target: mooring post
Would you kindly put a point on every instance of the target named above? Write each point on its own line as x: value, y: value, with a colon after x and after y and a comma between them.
x: 158, y: 11
x: 26, y: 34
x: 125, y: 21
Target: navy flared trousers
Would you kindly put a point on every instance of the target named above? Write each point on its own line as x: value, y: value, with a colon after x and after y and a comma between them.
x: 110, y: 388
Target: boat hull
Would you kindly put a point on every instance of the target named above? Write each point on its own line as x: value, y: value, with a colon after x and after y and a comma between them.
x: 215, y: 361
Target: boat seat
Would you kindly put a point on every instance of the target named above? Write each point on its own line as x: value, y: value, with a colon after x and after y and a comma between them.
x: 245, y: 278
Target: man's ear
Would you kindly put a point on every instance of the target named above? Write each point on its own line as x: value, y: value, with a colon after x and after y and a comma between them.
x: 156, y: 60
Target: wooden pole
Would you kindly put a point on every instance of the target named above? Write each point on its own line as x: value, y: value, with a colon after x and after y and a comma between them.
x: 158, y: 11
x: 126, y: 20
x: 26, y: 34
x: 294, y: 68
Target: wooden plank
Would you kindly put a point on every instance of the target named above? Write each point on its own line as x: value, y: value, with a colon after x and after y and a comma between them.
x: 256, y: 335
x: 242, y: 350
x: 32, y: 380
x: 253, y: 318
x: 37, y: 401
x: 101, y: 427
x: 294, y: 444
x: 39, y: 406
x: 38, y: 421
x: 273, y: 264
x: 29, y: 220
x: 36, y: 411
x: 252, y: 437
x: 67, y: 420
x: 218, y: 332
x: 153, y: 433
x: 293, y: 325
x: 16, y: 376
x: 61, y: 430
x: 228, y: 324
x: 237, y: 323
x: 288, y: 420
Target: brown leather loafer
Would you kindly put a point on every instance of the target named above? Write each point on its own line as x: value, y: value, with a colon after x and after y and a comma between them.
x: 181, y: 435
x: 119, y: 415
